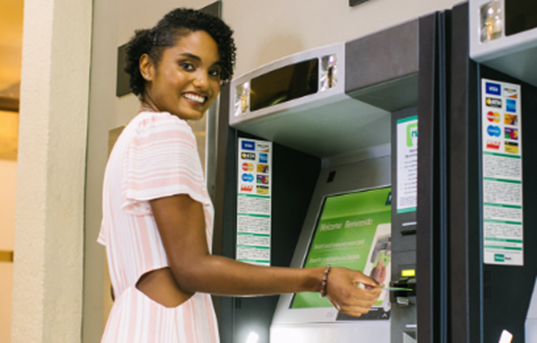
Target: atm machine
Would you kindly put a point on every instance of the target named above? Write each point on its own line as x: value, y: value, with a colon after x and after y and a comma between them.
x: 493, y: 99
x: 318, y: 162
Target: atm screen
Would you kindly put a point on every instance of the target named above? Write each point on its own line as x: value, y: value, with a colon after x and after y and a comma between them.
x: 353, y: 230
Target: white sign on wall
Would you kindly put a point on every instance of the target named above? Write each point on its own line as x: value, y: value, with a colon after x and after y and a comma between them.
x: 254, y: 201
x: 501, y: 118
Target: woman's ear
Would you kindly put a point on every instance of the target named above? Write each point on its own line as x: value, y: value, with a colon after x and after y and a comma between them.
x: 146, y: 67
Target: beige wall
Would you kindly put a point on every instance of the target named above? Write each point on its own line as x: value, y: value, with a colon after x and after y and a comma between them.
x: 8, y: 178
x: 268, y: 30
x: 47, y: 291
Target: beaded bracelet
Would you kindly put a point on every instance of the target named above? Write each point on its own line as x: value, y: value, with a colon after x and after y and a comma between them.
x: 325, y: 281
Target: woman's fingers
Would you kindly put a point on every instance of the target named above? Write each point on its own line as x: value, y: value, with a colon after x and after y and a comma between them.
x: 345, y: 295
x: 365, y: 280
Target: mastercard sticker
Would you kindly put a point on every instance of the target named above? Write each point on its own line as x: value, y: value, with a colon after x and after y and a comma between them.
x: 493, y: 117
x: 247, y: 167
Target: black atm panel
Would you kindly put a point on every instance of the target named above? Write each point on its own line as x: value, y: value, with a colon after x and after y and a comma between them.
x: 294, y: 177
x: 485, y: 298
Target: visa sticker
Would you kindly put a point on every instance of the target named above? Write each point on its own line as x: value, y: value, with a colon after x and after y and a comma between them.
x: 493, y: 88
x: 248, y: 145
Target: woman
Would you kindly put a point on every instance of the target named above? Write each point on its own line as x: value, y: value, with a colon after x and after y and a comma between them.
x: 157, y: 215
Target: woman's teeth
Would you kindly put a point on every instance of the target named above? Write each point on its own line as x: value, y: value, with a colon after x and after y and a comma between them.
x: 194, y: 97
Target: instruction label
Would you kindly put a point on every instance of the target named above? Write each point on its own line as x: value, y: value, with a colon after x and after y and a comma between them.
x: 254, y: 201
x: 407, y: 164
x: 503, y: 233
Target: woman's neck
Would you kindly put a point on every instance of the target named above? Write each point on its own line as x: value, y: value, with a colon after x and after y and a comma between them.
x: 148, y: 107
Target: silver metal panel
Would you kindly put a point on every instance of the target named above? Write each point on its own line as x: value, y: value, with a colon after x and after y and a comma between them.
x: 317, y: 325
x: 369, y: 332
x: 285, y: 107
x: 323, y: 124
x: 330, y: 128
x: 513, y: 55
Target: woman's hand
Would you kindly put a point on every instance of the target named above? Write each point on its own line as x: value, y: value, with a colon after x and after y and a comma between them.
x: 343, y: 292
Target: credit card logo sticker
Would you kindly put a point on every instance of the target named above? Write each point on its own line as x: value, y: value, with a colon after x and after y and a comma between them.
x: 511, y: 147
x: 263, y: 158
x: 494, y: 131
x: 493, y: 88
x: 248, y: 145
x: 493, y: 117
x: 247, y: 188
x: 511, y: 133
x: 511, y: 119
x: 247, y: 177
x: 493, y: 102
x: 510, y: 105
x: 248, y: 156
x: 494, y: 145
x: 262, y: 168
x: 262, y: 190
x: 263, y: 147
x: 510, y: 93
x: 263, y: 179
x: 247, y: 167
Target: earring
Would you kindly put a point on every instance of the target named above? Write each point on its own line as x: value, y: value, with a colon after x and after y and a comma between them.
x: 147, y: 76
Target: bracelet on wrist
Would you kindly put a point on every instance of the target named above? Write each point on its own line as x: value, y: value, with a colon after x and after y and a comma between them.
x: 324, y: 282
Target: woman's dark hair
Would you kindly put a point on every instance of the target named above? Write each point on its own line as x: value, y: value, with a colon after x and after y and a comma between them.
x: 176, y: 24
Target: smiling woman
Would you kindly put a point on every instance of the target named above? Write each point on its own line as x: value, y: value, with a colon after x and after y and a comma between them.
x: 157, y: 214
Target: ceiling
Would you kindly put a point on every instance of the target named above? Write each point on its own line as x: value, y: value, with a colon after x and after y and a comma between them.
x: 11, y: 14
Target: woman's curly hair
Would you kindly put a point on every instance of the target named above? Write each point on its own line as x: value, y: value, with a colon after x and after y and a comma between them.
x: 174, y: 25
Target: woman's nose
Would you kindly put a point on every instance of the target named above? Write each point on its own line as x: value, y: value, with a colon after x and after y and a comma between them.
x: 201, y: 80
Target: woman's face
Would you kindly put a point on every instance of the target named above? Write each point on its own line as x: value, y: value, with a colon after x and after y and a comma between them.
x: 186, y: 81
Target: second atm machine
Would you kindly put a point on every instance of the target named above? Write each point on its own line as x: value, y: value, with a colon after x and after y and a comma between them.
x: 321, y: 165
x: 493, y: 220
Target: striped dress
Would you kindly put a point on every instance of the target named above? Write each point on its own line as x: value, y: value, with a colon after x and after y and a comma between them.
x: 155, y: 156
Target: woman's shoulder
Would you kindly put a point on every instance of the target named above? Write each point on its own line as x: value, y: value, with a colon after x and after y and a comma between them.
x: 148, y: 122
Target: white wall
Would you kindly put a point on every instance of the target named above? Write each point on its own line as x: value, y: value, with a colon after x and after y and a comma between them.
x: 268, y: 30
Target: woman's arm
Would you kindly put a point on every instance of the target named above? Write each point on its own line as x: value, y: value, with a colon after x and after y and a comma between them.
x: 181, y: 224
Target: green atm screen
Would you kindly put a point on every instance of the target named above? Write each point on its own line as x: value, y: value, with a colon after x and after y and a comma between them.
x: 353, y: 231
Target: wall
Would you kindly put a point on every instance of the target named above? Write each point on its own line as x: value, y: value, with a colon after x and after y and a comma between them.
x: 8, y: 178
x: 268, y: 30
x: 47, y: 296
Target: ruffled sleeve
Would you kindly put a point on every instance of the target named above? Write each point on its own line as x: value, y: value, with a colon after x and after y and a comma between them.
x: 161, y: 160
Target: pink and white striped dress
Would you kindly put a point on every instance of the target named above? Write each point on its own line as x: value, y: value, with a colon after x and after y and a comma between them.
x: 155, y: 156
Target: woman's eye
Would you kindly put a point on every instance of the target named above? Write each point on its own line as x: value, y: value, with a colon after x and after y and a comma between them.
x: 187, y: 66
x: 214, y: 73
